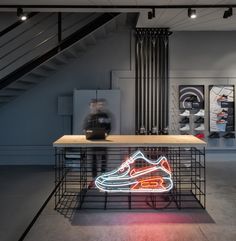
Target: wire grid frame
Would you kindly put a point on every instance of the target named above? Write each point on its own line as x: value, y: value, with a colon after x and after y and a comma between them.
x: 77, y: 168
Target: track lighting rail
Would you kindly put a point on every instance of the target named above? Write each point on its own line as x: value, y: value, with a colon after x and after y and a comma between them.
x: 115, y: 7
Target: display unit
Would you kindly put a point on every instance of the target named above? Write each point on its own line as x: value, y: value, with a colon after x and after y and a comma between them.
x: 221, y: 110
x: 163, y: 172
x: 192, y: 113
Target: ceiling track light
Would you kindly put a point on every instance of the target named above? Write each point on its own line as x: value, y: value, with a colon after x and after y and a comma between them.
x: 228, y: 13
x: 21, y: 15
x: 192, y: 13
x: 152, y: 14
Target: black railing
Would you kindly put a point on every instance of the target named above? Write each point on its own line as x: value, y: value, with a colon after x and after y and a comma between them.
x: 16, y: 24
x: 56, y: 37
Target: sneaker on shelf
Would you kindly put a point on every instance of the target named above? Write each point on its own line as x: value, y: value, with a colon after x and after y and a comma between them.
x: 185, y: 128
x: 222, y: 121
x: 185, y: 120
x: 201, y: 127
x: 199, y: 120
x: 155, y: 176
x: 223, y: 113
x: 185, y: 113
x: 200, y: 135
x: 200, y: 113
x: 222, y: 98
x: 187, y: 164
x: 229, y: 135
x: 192, y: 98
x: 214, y: 135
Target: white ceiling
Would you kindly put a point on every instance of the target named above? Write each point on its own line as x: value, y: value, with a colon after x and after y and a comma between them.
x: 175, y: 19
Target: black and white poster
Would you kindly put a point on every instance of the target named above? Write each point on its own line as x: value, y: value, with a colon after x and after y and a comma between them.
x: 191, y: 97
x: 221, y: 108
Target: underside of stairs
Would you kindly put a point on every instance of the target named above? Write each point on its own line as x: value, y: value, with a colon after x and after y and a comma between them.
x: 73, y: 46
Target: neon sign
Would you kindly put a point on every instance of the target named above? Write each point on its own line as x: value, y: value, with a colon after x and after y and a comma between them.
x: 156, y: 176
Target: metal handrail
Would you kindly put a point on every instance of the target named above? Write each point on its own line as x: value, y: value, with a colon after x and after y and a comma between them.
x: 16, y: 24
x: 26, y: 30
x: 29, y: 51
x: 29, y: 40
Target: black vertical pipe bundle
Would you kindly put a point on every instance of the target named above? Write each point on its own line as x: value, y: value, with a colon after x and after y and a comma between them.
x: 151, y: 70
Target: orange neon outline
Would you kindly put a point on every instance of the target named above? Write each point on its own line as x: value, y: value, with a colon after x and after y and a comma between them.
x: 151, y: 182
x: 165, y: 164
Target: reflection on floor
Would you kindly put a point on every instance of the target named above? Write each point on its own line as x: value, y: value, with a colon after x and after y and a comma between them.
x: 216, y: 223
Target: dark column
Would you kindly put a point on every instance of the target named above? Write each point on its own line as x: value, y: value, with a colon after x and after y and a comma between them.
x: 152, y: 77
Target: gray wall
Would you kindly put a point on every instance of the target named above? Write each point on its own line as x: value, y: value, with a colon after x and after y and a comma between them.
x: 203, y: 52
x: 30, y: 124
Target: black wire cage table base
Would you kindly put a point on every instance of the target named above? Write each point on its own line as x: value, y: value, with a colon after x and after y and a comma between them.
x: 78, y: 168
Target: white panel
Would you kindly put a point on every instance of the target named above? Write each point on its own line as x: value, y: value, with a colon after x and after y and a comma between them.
x: 112, y: 98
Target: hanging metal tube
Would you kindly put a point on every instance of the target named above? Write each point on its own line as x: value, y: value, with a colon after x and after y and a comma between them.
x: 151, y: 80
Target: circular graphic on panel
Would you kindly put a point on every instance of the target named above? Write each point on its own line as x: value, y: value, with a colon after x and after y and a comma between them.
x: 191, y: 97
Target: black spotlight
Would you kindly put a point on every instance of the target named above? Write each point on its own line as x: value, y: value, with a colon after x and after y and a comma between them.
x: 228, y: 13
x: 21, y: 15
x: 192, y: 13
x: 152, y: 14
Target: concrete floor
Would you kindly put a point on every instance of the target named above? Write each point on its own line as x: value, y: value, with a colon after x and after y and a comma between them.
x: 23, y: 189
x: 216, y: 223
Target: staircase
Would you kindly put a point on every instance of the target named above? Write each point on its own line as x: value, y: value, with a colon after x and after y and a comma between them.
x: 58, y: 44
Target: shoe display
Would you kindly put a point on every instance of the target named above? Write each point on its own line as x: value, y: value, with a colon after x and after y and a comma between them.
x: 222, y: 98
x: 223, y: 113
x: 201, y: 127
x: 214, y: 135
x: 200, y: 113
x: 155, y: 176
x: 185, y: 113
x: 200, y: 136
x: 199, y: 120
x: 185, y: 128
x: 229, y: 135
x: 185, y: 120
x: 222, y: 121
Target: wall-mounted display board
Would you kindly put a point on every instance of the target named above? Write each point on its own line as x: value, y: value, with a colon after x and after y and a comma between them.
x: 191, y: 97
x: 221, y: 98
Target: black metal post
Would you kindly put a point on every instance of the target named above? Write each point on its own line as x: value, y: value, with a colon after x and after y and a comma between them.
x: 59, y: 30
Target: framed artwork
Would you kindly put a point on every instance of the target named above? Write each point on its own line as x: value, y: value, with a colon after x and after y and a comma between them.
x: 221, y: 108
x: 191, y: 97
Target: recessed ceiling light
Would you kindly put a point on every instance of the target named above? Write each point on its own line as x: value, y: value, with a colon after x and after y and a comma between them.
x: 21, y: 15
x: 192, y: 13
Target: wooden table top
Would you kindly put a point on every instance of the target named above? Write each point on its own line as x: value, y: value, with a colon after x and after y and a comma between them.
x: 131, y: 141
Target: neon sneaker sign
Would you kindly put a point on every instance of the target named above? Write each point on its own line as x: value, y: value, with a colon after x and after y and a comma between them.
x: 156, y: 176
